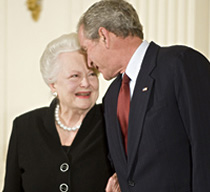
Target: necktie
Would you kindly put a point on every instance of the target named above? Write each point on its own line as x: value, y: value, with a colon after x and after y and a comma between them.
x: 123, y: 108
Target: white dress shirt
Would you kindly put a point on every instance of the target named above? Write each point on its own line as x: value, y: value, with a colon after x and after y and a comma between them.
x: 134, y: 65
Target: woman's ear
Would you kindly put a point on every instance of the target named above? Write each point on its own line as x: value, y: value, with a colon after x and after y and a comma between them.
x: 52, y: 87
x: 104, y: 36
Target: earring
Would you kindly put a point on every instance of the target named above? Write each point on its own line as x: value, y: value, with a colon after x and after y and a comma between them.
x: 55, y: 94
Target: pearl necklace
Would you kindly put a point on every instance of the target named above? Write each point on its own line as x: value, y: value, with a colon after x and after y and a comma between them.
x: 61, y: 125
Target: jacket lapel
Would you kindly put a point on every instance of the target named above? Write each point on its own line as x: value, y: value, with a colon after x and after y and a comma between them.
x: 49, y: 124
x: 112, y: 126
x: 139, y: 102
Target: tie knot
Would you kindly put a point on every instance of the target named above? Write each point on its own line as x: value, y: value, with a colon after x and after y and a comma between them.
x: 125, y: 79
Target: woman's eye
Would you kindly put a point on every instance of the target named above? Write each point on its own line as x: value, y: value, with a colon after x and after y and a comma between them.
x: 74, y: 75
x: 92, y: 74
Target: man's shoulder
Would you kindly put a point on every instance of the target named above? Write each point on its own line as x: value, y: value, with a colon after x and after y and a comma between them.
x: 178, y: 51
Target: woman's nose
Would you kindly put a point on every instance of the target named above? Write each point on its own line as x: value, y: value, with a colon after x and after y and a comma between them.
x: 85, y: 82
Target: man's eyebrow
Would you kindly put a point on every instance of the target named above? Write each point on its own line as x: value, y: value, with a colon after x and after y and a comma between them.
x: 83, y: 51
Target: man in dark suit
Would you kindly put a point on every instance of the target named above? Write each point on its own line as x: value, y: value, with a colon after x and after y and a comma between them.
x: 166, y: 145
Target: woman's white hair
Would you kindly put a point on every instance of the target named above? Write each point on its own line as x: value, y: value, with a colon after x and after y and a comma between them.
x: 49, y: 65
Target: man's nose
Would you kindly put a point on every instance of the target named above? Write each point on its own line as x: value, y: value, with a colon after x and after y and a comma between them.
x: 90, y: 63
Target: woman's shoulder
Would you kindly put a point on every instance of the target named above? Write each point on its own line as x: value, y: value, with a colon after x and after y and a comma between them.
x: 32, y: 114
x: 96, y: 110
x: 94, y: 115
x: 36, y: 113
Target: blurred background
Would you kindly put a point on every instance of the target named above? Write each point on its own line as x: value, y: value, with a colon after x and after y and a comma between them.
x: 25, y: 32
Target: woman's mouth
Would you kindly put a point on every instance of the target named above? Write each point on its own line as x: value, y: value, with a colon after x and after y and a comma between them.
x: 83, y: 94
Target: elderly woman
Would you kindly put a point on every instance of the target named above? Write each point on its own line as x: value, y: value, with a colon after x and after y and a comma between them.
x: 61, y: 147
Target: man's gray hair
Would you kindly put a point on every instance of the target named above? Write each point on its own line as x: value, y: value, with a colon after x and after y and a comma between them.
x: 117, y: 16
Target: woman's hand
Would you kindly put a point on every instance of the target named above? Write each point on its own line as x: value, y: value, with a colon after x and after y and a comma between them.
x: 113, y: 184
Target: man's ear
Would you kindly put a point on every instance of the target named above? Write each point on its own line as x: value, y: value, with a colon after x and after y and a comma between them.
x: 104, y: 36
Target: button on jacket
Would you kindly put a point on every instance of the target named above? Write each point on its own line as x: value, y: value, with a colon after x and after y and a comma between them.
x: 37, y: 162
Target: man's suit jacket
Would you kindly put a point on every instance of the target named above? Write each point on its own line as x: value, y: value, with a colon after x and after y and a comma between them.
x: 169, y: 124
x: 37, y: 162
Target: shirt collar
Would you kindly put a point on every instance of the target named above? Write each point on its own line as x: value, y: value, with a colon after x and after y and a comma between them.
x: 135, y: 62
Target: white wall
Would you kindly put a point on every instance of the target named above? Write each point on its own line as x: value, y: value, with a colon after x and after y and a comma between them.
x: 3, y: 71
x: 22, y: 42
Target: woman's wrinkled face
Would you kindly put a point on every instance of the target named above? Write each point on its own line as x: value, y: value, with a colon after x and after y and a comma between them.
x: 76, y: 85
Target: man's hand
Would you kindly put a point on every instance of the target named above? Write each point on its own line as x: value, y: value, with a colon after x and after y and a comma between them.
x: 113, y: 184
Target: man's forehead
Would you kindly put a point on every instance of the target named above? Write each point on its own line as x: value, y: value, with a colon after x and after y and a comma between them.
x: 81, y: 32
x: 82, y: 38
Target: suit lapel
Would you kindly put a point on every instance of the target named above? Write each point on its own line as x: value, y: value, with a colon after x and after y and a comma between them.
x: 49, y: 124
x: 114, y: 130
x: 138, y: 106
